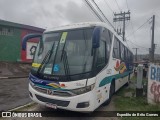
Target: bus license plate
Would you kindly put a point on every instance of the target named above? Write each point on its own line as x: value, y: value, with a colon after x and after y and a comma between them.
x: 54, y: 106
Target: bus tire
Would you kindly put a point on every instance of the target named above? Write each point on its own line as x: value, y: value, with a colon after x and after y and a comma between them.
x: 111, y: 92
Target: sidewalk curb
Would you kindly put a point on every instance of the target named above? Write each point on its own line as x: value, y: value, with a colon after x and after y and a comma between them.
x: 12, y: 77
x: 23, y: 106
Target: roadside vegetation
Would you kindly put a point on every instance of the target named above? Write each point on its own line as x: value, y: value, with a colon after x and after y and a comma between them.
x: 127, y: 101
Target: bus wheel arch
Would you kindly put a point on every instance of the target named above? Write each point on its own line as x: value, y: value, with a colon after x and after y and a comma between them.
x: 111, y: 92
x: 112, y: 87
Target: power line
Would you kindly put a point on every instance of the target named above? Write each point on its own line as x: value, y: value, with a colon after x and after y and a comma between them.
x: 103, y: 14
x: 94, y: 11
x: 136, y: 53
x: 108, y: 5
x: 127, y: 4
x: 130, y: 20
x: 132, y: 28
x: 142, y: 47
x: 118, y: 5
x: 128, y: 45
x: 138, y: 28
x: 137, y: 45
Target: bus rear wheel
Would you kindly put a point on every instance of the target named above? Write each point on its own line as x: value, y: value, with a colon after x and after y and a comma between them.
x: 111, y: 92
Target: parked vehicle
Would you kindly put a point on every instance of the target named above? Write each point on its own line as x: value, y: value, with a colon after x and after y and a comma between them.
x: 78, y: 67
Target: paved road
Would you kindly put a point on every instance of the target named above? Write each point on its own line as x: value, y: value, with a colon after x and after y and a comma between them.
x: 13, y: 93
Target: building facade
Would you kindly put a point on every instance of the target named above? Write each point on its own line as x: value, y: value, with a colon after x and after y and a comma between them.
x: 11, y: 35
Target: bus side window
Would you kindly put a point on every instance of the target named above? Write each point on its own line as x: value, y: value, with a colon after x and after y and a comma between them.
x: 125, y: 57
x: 126, y: 54
x: 107, y: 37
x: 116, y: 48
x: 129, y: 56
x: 101, y: 55
x: 122, y: 52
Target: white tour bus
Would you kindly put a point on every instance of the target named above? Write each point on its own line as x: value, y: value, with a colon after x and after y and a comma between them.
x: 78, y: 67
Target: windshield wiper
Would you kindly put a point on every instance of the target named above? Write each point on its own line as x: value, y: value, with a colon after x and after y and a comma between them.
x: 43, y: 61
x: 66, y: 65
x: 48, y: 55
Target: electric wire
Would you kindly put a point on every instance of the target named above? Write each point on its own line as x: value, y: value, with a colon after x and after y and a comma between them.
x: 108, y: 5
x: 118, y: 5
x: 141, y: 47
x: 103, y: 14
x: 127, y: 4
x: 138, y: 28
x: 94, y: 11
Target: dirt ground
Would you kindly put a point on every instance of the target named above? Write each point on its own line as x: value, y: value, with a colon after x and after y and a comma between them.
x: 13, y: 92
x: 14, y: 69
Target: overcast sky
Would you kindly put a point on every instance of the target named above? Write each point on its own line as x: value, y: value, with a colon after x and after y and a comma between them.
x: 51, y: 13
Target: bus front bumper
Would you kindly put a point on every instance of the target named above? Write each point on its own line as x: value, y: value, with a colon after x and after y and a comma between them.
x: 80, y: 103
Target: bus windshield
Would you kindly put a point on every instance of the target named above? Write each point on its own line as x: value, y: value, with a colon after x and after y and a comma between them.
x: 65, y: 53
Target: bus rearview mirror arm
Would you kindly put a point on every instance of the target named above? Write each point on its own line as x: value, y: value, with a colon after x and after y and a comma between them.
x: 30, y: 36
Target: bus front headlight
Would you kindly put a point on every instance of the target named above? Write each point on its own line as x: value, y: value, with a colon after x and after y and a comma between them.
x: 83, y: 90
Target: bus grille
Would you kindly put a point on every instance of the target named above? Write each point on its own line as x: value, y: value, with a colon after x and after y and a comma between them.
x: 57, y: 102
x: 54, y: 92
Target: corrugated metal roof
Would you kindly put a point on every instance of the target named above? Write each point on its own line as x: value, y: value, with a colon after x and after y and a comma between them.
x: 22, y: 26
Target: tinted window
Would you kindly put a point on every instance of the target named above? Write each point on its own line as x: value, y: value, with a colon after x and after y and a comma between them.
x: 126, y: 54
x: 122, y: 52
x: 101, y: 54
x: 69, y: 50
x: 107, y: 37
x: 129, y: 56
x: 116, y: 48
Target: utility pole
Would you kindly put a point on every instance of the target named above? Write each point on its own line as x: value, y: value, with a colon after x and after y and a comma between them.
x: 136, y: 53
x: 123, y: 16
x: 152, y: 50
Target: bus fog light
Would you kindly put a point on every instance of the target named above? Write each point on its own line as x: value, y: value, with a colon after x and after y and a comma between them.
x: 83, y: 105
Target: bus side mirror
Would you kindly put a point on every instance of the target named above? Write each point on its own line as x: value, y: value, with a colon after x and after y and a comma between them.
x: 96, y: 37
x: 30, y: 36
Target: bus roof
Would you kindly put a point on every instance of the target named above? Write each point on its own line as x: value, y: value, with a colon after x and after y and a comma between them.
x: 85, y: 24
x: 79, y: 25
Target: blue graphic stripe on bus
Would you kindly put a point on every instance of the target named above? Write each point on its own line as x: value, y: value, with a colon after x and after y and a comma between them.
x: 39, y: 81
x: 109, y: 79
x: 46, y: 83
x: 56, y: 68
